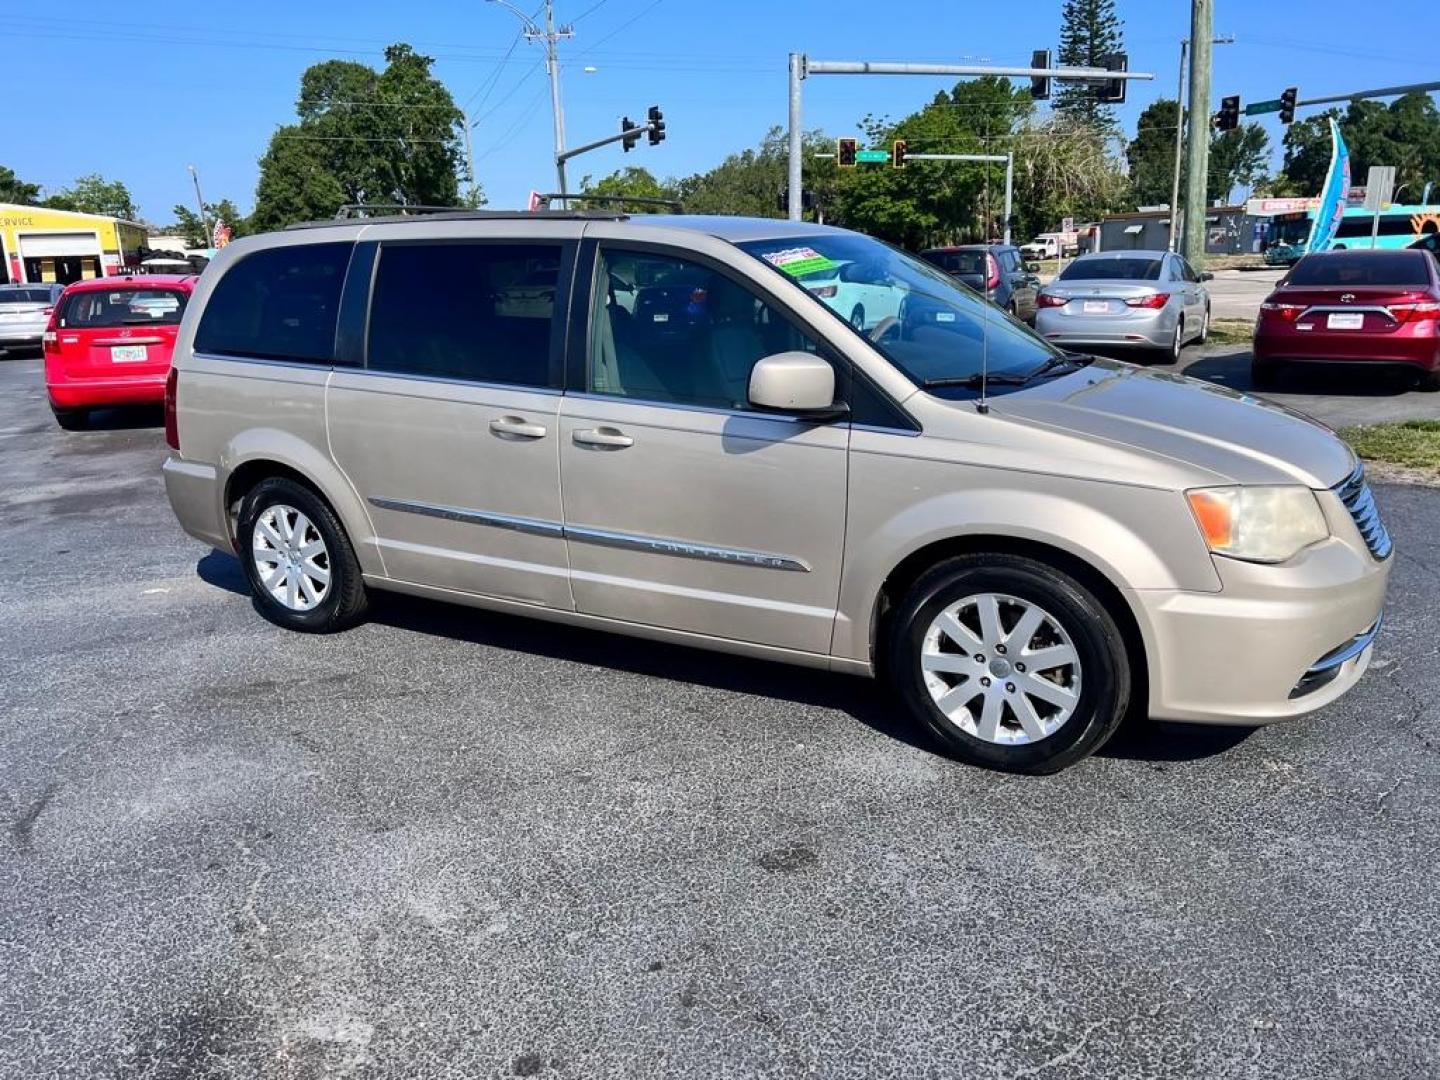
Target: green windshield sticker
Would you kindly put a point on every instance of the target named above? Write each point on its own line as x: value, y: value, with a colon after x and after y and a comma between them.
x: 797, y: 262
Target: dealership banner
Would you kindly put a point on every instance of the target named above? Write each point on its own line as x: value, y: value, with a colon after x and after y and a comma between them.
x: 1333, y: 196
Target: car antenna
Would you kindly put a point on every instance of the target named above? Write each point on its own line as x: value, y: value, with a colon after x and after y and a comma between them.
x: 983, y: 405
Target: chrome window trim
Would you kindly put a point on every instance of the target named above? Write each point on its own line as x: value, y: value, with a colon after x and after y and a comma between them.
x: 301, y: 365
x: 656, y: 545
x: 446, y: 380
x: 714, y: 410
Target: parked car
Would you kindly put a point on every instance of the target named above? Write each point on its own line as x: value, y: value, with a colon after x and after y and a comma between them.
x: 1429, y: 242
x: 855, y: 291
x: 1025, y: 543
x: 109, y: 341
x: 24, y: 311
x: 1052, y: 246
x: 995, y: 270
x: 1149, y: 300
x: 1364, y: 308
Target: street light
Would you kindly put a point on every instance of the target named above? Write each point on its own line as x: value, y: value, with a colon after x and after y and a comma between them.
x: 550, y: 35
x: 200, y: 202
x: 1222, y: 39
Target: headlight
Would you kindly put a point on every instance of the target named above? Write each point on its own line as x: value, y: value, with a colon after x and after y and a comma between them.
x: 1260, y: 524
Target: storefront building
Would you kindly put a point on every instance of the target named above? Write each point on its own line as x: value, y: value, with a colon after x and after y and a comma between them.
x: 38, y: 244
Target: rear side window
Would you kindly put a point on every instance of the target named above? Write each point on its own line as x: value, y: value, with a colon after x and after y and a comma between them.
x: 277, y: 304
x: 98, y: 308
x: 479, y: 312
x: 1362, y: 268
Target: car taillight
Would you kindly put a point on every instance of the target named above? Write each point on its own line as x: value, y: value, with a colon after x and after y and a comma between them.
x: 1152, y: 300
x: 992, y: 265
x: 1047, y: 300
x: 1408, y: 313
x: 172, y: 423
x: 825, y: 290
x: 51, y: 341
x: 1284, y: 312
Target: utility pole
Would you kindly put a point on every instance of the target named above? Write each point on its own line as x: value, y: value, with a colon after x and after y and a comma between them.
x: 1197, y: 159
x: 1224, y: 39
x: 469, y: 153
x: 200, y: 202
x: 550, y: 35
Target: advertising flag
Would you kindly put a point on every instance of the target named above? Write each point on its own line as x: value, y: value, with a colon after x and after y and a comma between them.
x: 1333, y: 196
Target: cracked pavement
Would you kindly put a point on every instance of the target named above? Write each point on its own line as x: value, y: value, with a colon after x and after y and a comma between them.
x: 453, y: 844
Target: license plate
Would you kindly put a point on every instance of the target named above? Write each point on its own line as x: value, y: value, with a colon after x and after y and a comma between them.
x: 1096, y: 307
x: 1345, y: 321
x: 127, y: 354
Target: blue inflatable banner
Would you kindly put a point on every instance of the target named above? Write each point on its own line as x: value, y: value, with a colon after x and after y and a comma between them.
x: 1333, y: 196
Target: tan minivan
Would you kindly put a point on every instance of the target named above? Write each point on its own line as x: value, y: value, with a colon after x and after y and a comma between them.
x: 674, y: 427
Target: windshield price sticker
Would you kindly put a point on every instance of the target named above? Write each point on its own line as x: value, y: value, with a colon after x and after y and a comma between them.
x: 800, y: 261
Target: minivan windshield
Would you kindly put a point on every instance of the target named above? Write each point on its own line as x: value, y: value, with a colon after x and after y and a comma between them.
x: 931, y: 327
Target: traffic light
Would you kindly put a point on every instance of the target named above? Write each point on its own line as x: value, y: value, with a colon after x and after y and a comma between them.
x: 897, y: 156
x: 1228, y: 118
x: 1040, y: 84
x: 626, y: 126
x: 1287, y: 104
x: 845, y: 150
x: 657, y: 125
x: 1112, y: 91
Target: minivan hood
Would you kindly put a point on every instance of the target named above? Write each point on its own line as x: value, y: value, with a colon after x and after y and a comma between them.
x: 1236, y: 436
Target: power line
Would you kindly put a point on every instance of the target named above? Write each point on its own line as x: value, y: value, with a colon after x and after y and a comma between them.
x: 628, y: 22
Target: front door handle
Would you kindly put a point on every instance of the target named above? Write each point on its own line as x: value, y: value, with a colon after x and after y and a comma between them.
x: 516, y: 427
x: 606, y: 438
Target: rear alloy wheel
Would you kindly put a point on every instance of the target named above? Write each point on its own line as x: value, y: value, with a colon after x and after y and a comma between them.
x: 1178, y: 343
x: 72, y: 419
x: 300, y: 564
x: 1012, y: 664
x: 1204, y: 327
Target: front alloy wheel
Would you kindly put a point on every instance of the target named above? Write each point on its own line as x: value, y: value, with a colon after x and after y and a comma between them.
x: 290, y: 557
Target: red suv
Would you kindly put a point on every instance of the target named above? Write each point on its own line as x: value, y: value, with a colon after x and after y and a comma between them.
x: 109, y: 343
x: 1353, y: 307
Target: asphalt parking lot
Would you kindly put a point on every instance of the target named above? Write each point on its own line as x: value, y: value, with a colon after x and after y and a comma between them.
x: 451, y: 844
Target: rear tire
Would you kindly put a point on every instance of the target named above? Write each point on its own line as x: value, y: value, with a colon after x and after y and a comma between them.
x: 298, y: 560
x: 1038, y: 721
x: 72, y: 419
x: 1429, y: 382
x: 1204, y: 328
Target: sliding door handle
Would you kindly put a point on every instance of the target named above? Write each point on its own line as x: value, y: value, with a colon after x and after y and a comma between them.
x: 605, y: 438
x: 516, y: 427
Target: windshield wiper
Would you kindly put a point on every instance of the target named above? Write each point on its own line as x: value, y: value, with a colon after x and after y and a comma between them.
x: 974, y: 382
x: 1055, y: 363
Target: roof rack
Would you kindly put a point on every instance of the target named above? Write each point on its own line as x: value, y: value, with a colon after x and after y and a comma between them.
x: 360, y: 212
x: 673, y: 205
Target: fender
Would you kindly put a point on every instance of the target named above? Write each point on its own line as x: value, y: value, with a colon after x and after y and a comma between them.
x: 283, y: 448
x: 1104, y: 533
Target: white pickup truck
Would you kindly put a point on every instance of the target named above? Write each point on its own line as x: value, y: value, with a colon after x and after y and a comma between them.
x: 1050, y: 245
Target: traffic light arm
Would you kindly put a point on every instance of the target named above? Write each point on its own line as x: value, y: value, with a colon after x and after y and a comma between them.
x: 633, y: 133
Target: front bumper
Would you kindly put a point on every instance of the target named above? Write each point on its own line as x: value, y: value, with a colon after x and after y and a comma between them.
x: 1276, y: 642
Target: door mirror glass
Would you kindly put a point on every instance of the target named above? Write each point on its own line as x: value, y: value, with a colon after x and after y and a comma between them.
x: 797, y: 382
x: 1032, y: 267
x: 1206, y: 275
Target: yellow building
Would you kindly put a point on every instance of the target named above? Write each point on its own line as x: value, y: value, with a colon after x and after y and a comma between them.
x: 40, y: 244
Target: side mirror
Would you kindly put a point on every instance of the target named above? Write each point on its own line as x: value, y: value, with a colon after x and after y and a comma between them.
x: 794, y: 382
x: 1032, y: 267
x: 1205, y: 275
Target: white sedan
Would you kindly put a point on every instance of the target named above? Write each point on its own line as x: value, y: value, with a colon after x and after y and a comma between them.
x: 865, y: 304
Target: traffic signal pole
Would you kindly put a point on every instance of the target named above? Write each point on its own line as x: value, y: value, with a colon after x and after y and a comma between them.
x: 802, y: 67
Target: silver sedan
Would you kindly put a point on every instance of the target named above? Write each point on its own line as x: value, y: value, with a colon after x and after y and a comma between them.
x: 1152, y: 300
x: 25, y: 312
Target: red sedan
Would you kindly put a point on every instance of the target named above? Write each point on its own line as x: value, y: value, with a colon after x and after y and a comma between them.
x: 1353, y: 307
x: 109, y: 343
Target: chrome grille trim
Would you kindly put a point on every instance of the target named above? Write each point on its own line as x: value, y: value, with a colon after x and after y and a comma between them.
x: 1355, y: 493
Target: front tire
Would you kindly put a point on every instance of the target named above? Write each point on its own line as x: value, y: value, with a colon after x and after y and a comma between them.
x: 1012, y: 664
x: 298, y: 560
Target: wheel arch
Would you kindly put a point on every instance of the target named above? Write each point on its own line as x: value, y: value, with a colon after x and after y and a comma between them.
x: 909, y: 570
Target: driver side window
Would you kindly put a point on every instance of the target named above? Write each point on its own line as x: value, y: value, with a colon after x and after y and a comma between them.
x: 670, y: 330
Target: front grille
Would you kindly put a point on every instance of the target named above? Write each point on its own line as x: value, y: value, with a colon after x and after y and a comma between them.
x: 1354, y: 492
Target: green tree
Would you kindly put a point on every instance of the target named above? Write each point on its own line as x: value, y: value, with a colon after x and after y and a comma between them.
x: 1089, y: 31
x: 629, y: 182
x: 93, y: 194
x: 1405, y: 134
x: 1238, y: 158
x: 15, y: 190
x: 750, y: 182
x: 1151, y: 154
x: 1063, y: 169
x: 363, y: 136
x: 189, y: 225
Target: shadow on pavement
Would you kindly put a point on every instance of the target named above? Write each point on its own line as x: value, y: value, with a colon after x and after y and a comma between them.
x: 124, y: 418
x: 1232, y: 369
x: 864, y: 700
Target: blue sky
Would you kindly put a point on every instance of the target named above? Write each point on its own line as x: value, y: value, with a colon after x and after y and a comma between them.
x: 138, y: 92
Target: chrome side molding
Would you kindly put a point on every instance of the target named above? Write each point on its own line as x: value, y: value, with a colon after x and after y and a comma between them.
x: 657, y: 545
